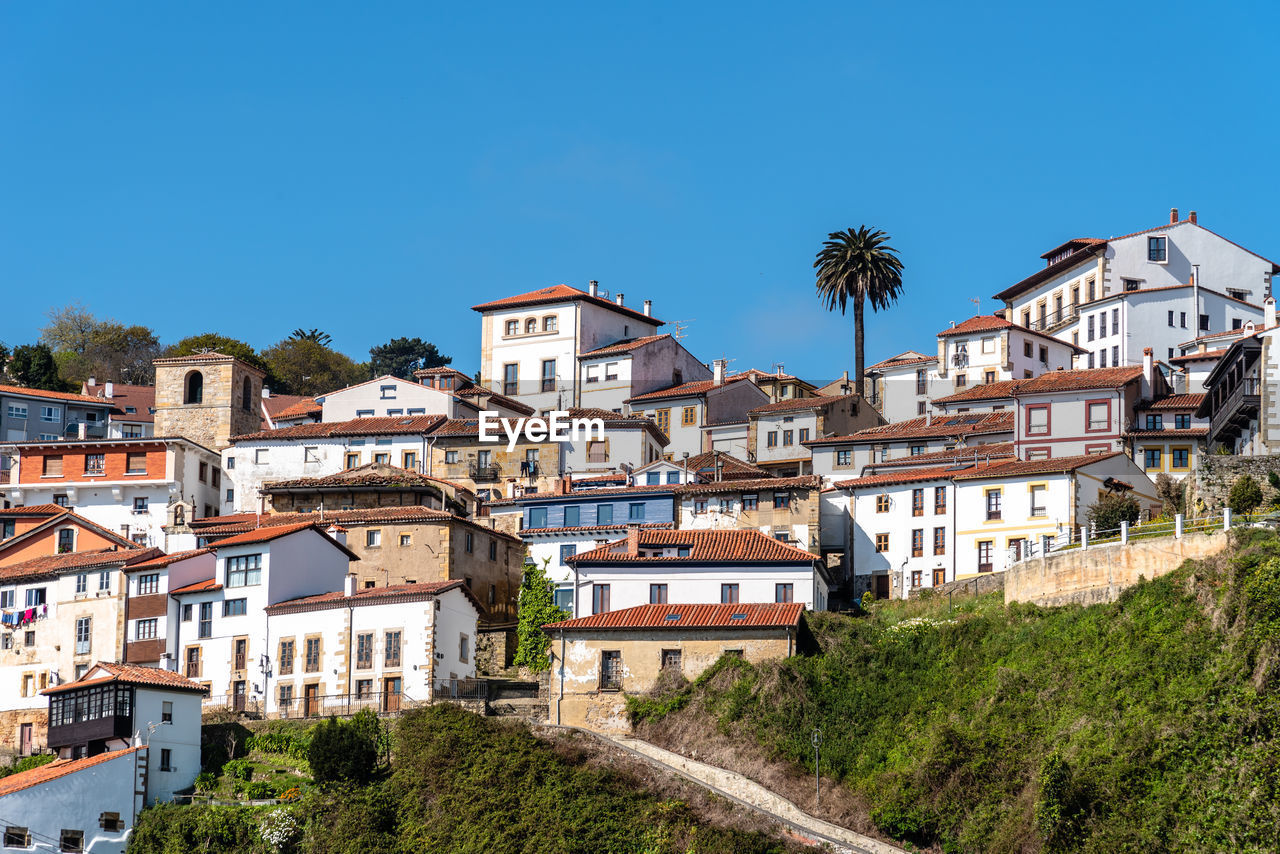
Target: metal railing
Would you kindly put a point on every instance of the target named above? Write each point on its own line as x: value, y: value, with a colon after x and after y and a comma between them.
x: 481, y: 474
x: 461, y: 689
x: 316, y: 706
x: 1054, y: 318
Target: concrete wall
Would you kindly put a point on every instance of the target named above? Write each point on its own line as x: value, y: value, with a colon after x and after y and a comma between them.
x: 1099, y: 574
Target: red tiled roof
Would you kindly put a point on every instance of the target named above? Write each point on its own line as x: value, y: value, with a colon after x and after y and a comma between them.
x: 624, y: 346
x: 54, y: 564
x: 53, y: 395
x: 493, y: 397
x: 759, y: 615
x: 374, y: 596
x: 804, y: 481
x: 731, y: 468
x: 1078, y: 242
x: 1056, y: 381
x: 1206, y: 356
x: 35, y: 510
x: 206, y: 586
x: 369, y: 474
x: 282, y: 407
x: 983, y: 391
x: 1174, y: 401
x: 55, y: 769
x: 56, y: 519
x: 1021, y: 468
x: 161, y: 561
x: 992, y: 450
x: 891, y: 478
x: 1189, y: 433
x: 745, y: 546
x: 385, y: 426
x: 561, y: 293
x: 613, y: 477
x: 1079, y: 256
x: 141, y: 397
x: 275, y: 532
x: 990, y: 322
x: 962, y: 424
x: 798, y: 403
x: 130, y: 674
x: 689, y: 389
x: 902, y: 360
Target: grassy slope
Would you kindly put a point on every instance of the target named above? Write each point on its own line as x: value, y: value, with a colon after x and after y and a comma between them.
x: 463, y: 783
x: 1146, y: 725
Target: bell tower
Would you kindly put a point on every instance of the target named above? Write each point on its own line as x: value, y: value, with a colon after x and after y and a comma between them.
x: 207, y: 398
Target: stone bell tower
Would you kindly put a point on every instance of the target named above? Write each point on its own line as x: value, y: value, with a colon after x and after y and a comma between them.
x: 207, y: 398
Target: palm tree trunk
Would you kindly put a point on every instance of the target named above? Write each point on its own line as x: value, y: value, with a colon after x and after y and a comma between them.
x: 858, y: 336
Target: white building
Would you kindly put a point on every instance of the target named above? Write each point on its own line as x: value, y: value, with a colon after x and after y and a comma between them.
x: 150, y: 614
x: 610, y: 375
x: 391, y: 397
x: 530, y: 343
x: 988, y: 348
x: 781, y: 432
x: 692, y: 567
x: 132, y: 414
x: 902, y: 386
x: 692, y: 413
x: 842, y: 457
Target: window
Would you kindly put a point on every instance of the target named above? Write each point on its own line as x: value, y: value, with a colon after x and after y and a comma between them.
x: 52, y: 414
x: 784, y: 592
x: 82, y: 583
x: 35, y: 597
x: 599, y: 598
x: 244, y: 571
x: 993, y: 504
x: 83, y: 635
x: 7, y: 598
x: 15, y: 411
x: 611, y: 370
x: 1155, y: 421
x: 548, y: 374
x: 598, y: 451
x: 984, y: 556
x: 635, y: 512
x: 464, y: 648
x: 469, y: 543
x: 95, y: 464
x: 1038, y: 507
x: 72, y: 840
x: 140, y: 505
x: 1102, y: 358
x: 364, y: 651
x: 312, y: 662
x: 939, y: 541
x: 510, y: 380
x: 382, y: 459
x: 657, y: 594
x: 781, y: 500
x: 549, y: 323
x: 673, y: 477
x: 750, y: 501
x: 391, y: 649
x: 194, y: 388
x: 450, y: 457
x: 363, y: 413
x: 939, y: 499
x: 364, y: 689
x: 771, y: 439
x: 373, y: 538
x: 1115, y: 356
x: 1151, y: 459
x: 149, y: 584
x: 52, y: 467
x: 286, y: 697
x: 1115, y: 321
x: 917, y: 578
x: 729, y: 594
x: 16, y: 837
x: 29, y: 639
x: 917, y: 502
x: 961, y: 380
x: 531, y: 325
x: 917, y: 542
x: 1236, y: 323
x: 1044, y: 355
x: 205, y: 627
x: 409, y: 460
x: 1027, y: 349
x: 186, y: 613
x: 1089, y: 327
x: 611, y: 670
x: 882, y: 542
x: 1182, y: 317
x: 1182, y: 422
x: 1037, y: 420
x: 1157, y: 249
x: 882, y: 503
x: 844, y: 458
x: 1131, y: 284
x: 1171, y: 318
x: 604, y: 514
x: 1099, y: 416
x: 699, y: 505
x: 193, y: 662
x: 1181, y: 458
x: 917, y: 450
x: 662, y: 417
x: 286, y: 657
x: 688, y: 416
x: 493, y: 550
x: 234, y: 607
x: 1204, y: 323
x: 513, y: 327
x: 788, y: 438
x: 1092, y: 288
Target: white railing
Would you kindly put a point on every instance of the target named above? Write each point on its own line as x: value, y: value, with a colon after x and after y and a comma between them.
x: 1089, y: 536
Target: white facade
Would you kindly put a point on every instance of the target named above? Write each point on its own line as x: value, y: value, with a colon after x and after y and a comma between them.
x: 731, y: 437
x: 157, y: 578
x: 611, y: 376
x: 388, y: 396
x: 688, y: 585
x: 633, y: 445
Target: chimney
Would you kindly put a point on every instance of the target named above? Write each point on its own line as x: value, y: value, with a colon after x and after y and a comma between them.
x: 717, y: 372
x: 349, y: 585
x: 1269, y: 312
x: 648, y: 308
x: 93, y: 381
x: 928, y: 416
x: 633, y: 540
x: 1191, y: 216
x: 111, y: 390
x: 339, y: 533
x: 1173, y: 215
x: 1148, y: 369
x: 266, y: 392
x: 618, y: 298
x: 593, y: 288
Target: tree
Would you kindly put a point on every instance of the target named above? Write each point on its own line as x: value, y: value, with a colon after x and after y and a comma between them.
x: 1111, y: 509
x: 1245, y: 495
x: 193, y: 344
x: 859, y: 267
x: 341, y: 753
x: 85, y: 346
x: 306, y: 367
x: 1170, y: 492
x: 315, y: 335
x: 33, y: 366
x: 537, y: 607
x: 400, y: 357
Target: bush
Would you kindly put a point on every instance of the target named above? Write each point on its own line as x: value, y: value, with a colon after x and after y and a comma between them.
x: 342, y: 753
x: 293, y: 743
x: 206, y: 782
x: 537, y: 608
x: 260, y: 790
x: 238, y: 769
x: 1171, y: 495
x: 1245, y: 495
x: 26, y: 763
x: 1111, y: 509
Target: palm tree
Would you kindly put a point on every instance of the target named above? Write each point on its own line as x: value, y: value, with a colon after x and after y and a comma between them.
x: 321, y: 338
x: 858, y: 266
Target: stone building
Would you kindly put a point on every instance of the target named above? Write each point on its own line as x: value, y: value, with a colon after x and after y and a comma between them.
x: 207, y: 398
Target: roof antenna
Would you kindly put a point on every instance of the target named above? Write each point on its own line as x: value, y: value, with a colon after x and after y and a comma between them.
x: 977, y: 303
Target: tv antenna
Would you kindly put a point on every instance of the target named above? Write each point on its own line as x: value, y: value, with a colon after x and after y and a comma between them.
x: 682, y: 329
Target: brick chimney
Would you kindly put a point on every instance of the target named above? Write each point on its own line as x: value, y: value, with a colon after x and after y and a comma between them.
x: 633, y: 540
x: 1191, y: 216
x: 1173, y: 215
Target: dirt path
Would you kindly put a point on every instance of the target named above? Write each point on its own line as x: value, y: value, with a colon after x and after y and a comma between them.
x: 749, y: 793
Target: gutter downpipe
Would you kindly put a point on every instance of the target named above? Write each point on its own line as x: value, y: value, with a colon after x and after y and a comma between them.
x: 560, y: 696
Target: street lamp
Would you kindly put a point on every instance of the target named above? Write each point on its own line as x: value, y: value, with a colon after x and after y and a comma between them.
x: 817, y: 780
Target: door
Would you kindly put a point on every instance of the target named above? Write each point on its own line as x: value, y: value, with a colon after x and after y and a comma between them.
x: 238, y: 695
x: 24, y: 740
x: 1015, y: 549
x: 241, y: 652
x: 880, y: 586
x: 391, y: 694
x: 939, y: 577
x: 310, y: 700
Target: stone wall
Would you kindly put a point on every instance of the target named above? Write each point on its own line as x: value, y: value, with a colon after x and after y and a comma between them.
x: 1214, y: 475
x: 495, y: 648
x: 1100, y: 573
x: 974, y: 585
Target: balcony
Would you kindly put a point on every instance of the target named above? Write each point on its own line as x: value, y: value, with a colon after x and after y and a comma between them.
x: 1231, y: 417
x: 484, y: 474
x: 1055, y: 319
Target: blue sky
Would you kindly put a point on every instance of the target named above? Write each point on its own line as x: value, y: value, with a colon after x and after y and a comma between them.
x: 376, y: 169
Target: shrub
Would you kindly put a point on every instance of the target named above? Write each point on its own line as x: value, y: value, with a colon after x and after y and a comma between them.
x: 1111, y: 509
x: 341, y: 753
x: 279, y: 828
x: 537, y: 608
x: 206, y: 782
x: 1245, y: 495
x: 238, y: 769
x: 26, y: 763
x: 1171, y: 495
x: 259, y: 790
x: 291, y: 742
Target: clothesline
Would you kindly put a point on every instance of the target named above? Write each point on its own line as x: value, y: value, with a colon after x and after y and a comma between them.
x: 22, y: 617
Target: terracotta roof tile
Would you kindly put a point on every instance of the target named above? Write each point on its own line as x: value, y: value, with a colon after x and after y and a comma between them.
x: 130, y: 674
x: 369, y: 474
x: 243, y: 522
x: 1021, y: 468
x: 989, y: 322
x: 54, y: 564
x: 161, y: 561
x: 992, y: 450
x: 891, y: 478
x: 689, y: 389
x: 796, y: 404
x: 282, y: 407
x: 1172, y: 433
x: 208, y: 585
x: 561, y: 293
x: 1174, y: 401
x: 731, y: 468
x: 943, y: 426
x: 274, y: 532
x: 1206, y: 356
x: 386, y: 426
x: 374, y: 596
x: 53, y: 395
x: 624, y: 346
x: 35, y: 510
x: 55, y: 769
x: 804, y: 481
x: 902, y: 360
x: 141, y: 398
x: 745, y: 546
x: 1056, y: 381
x: 758, y: 615
x: 983, y: 391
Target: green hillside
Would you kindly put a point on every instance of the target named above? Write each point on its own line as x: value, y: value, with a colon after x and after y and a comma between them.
x: 1150, y: 724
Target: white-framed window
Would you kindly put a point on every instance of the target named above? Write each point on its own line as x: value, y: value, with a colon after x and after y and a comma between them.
x: 1158, y: 249
x: 260, y: 457
x: 84, y: 635
x: 244, y: 570
x: 52, y: 414
x: 16, y: 411
x: 145, y: 629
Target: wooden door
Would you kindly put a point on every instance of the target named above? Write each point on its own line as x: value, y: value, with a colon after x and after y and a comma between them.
x: 939, y: 577
x: 881, y: 588
x: 238, y: 695
x: 310, y: 700
x: 391, y: 694
x: 24, y: 740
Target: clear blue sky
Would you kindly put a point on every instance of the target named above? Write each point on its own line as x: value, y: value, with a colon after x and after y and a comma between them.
x: 376, y: 169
